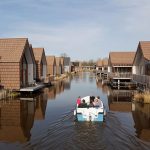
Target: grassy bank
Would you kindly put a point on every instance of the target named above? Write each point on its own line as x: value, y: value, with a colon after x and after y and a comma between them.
x: 142, y: 97
x: 6, y: 94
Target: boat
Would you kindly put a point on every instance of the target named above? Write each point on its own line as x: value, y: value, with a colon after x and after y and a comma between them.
x: 95, y: 113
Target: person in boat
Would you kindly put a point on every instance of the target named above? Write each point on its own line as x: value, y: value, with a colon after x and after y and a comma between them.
x: 78, y: 101
x: 83, y: 104
x: 97, y: 102
x: 91, y: 103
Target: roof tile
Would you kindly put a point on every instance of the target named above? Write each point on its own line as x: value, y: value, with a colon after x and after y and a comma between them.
x: 50, y: 60
x: 11, y: 49
x: 121, y: 58
x: 38, y: 52
x: 145, y: 47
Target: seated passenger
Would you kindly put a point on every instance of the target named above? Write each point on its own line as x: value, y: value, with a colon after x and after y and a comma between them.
x: 78, y: 101
x: 92, y: 98
x: 91, y: 103
x: 83, y: 104
x: 97, y: 102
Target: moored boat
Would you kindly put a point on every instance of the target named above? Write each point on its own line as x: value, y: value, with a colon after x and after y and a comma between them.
x: 89, y: 113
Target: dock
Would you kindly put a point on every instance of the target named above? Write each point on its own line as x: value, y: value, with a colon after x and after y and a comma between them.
x: 102, y: 74
x: 32, y: 88
x: 122, y: 80
x: 27, y: 99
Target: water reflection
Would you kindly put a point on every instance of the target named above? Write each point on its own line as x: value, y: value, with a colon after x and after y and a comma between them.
x: 58, y: 88
x: 50, y: 92
x: 27, y: 112
x: 40, y: 106
x: 17, y: 117
x: 105, y: 89
x: 91, y: 77
x: 67, y: 83
x: 46, y: 119
x: 16, y: 120
x: 141, y: 116
x: 120, y: 100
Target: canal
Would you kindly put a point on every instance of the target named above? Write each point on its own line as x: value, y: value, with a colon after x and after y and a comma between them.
x: 45, y: 120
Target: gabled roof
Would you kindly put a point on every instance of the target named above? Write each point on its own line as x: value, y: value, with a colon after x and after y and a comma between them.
x: 57, y: 61
x: 50, y: 60
x: 11, y: 49
x: 121, y: 58
x: 32, y: 55
x: 145, y: 47
x: 105, y: 62
x: 100, y: 63
x: 38, y: 52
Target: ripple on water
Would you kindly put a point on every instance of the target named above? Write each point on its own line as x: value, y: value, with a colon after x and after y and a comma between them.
x: 67, y: 134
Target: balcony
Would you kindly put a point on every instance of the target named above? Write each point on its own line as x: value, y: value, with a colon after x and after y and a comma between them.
x: 122, y: 75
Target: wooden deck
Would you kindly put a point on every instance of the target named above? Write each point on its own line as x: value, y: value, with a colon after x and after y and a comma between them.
x: 32, y: 89
x: 102, y: 74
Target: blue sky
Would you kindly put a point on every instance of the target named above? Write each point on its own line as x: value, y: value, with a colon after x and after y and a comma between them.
x: 83, y: 29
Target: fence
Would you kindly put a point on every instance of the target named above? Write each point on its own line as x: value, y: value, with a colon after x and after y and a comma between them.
x: 120, y: 75
x: 142, y: 79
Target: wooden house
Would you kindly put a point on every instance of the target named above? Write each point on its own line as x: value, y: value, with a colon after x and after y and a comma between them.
x: 102, y: 68
x: 105, y: 64
x: 142, y: 58
x: 62, y: 65
x: 120, y: 68
x: 121, y: 62
x: 58, y: 66
x: 34, y: 63
x: 99, y: 65
x: 16, y: 63
x: 67, y: 65
x: 76, y: 66
x: 41, y: 64
x: 141, y: 73
x: 72, y: 67
x: 51, y: 65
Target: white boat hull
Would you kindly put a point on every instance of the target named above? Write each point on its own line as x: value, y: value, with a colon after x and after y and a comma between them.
x: 89, y: 113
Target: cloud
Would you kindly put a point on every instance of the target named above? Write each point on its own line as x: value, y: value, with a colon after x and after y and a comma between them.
x: 75, y: 40
x: 84, y: 29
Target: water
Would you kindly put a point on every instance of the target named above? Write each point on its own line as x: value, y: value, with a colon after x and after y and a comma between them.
x: 47, y: 121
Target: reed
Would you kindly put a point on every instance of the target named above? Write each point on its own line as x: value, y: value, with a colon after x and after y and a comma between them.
x: 142, y: 97
x: 146, y: 97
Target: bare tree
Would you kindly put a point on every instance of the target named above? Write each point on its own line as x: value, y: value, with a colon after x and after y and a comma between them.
x: 64, y: 55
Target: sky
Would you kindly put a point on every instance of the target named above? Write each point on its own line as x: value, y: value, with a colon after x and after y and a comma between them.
x: 83, y: 29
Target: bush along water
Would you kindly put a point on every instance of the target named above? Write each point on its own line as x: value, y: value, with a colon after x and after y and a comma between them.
x: 142, y: 97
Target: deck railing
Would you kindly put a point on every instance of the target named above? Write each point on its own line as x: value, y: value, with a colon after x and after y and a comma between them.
x: 120, y: 75
x: 143, y: 79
